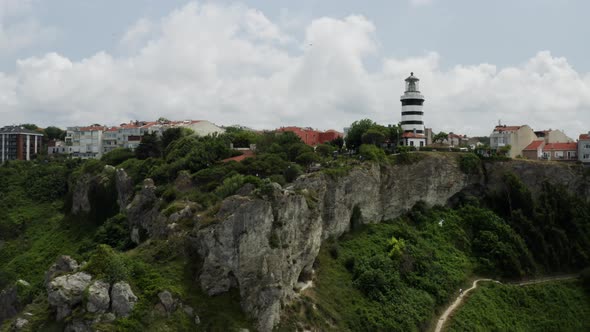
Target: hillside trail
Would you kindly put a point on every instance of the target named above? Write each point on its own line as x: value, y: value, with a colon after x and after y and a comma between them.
x: 459, y: 300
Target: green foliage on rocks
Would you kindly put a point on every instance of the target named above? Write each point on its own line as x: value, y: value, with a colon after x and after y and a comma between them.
x: 106, y: 264
x: 554, y: 306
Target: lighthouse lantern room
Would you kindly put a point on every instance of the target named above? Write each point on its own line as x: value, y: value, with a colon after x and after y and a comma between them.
x: 412, y: 114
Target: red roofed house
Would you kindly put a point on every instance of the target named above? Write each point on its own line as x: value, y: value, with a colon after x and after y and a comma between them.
x: 584, y: 148
x: 534, y: 150
x: 561, y: 151
x: 312, y: 137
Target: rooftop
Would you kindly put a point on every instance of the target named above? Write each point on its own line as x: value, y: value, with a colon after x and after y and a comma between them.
x: 18, y: 130
x: 506, y: 128
x: 561, y: 147
x: 534, y: 145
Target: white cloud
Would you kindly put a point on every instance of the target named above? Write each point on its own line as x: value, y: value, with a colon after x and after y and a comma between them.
x: 137, y: 33
x: 18, y: 29
x: 231, y: 64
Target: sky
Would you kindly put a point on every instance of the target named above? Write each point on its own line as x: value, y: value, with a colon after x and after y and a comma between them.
x: 313, y: 63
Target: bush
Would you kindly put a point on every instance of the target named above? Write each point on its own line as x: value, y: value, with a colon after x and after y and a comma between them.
x: 469, y: 163
x: 107, y: 264
x: 232, y: 184
x: 115, y: 233
x: 372, y: 152
x: 117, y: 156
x: 292, y: 172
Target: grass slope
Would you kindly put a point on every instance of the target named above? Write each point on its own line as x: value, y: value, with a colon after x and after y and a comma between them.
x: 554, y: 306
x: 363, y: 284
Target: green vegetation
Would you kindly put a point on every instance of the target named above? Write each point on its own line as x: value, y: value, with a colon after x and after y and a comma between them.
x: 390, y: 276
x: 554, y: 306
x: 395, y: 276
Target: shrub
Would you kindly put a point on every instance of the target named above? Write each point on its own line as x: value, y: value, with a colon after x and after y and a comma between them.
x: 117, y: 156
x: 292, y: 172
x: 372, y: 152
x: 232, y: 184
x: 107, y: 264
x: 115, y: 233
x: 469, y: 163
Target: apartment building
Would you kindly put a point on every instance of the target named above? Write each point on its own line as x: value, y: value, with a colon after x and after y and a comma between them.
x: 18, y: 143
x: 518, y: 137
x: 584, y: 148
x: 96, y: 140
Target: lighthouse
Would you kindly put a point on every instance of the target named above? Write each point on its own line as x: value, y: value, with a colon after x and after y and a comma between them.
x: 412, y: 114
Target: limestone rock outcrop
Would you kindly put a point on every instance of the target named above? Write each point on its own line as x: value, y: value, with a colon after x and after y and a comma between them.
x: 533, y: 174
x: 143, y: 213
x: 64, y: 292
x: 123, y: 299
x: 124, y: 186
x: 98, y: 297
x: 9, y: 303
x: 64, y: 264
x: 80, y: 200
x: 265, y: 246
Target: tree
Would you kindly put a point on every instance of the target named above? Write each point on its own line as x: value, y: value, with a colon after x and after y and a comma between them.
x: 173, y: 134
x: 325, y: 150
x: 54, y: 133
x: 375, y: 135
x: 356, y: 131
x: 440, y: 137
x: 29, y: 126
x: 395, y: 132
x: 306, y: 158
x: 150, y: 146
x: 337, y: 142
x: 241, y: 138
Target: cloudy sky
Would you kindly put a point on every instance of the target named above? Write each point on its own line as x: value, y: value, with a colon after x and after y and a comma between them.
x: 318, y: 63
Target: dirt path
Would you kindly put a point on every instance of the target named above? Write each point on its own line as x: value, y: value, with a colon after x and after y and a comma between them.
x: 443, y: 318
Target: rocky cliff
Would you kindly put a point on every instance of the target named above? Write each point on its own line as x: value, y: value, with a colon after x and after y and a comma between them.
x: 266, y: 244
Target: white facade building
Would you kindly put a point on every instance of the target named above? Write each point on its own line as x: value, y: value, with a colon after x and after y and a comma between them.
x: 94, y: 141
x: 584, y: 148
x: 413, y: 114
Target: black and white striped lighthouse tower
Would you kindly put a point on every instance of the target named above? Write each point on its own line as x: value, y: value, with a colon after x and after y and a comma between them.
x: 412, y: 114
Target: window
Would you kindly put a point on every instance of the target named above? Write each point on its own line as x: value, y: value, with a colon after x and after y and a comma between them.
x: 586, y: 156
x: 421, y: 143
x: 411, y: 143
x: 586, y: 146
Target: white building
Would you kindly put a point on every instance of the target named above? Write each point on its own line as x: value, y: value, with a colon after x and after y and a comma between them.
x: 85, y: 142
x: 584, y: 148
x: 94, y: 141
x: 412, y: 114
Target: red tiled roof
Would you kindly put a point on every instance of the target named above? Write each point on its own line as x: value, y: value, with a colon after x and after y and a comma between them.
x: 507, y: 128
x: 561, y: 146
x: 412, y: 135
x: 245, y: 154
x: 585, y: 136
x: 534, y: 145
